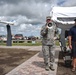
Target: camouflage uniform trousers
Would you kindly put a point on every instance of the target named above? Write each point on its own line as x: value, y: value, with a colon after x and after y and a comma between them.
x: 49, y: 54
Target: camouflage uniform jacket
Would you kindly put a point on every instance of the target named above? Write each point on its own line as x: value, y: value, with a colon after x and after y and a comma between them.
x: 48, y: 34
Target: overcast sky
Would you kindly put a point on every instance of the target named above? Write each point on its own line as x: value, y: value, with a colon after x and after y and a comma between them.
x: 28, y: 15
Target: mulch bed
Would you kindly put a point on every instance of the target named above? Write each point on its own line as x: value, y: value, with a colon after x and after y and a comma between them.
x: 11, y: 58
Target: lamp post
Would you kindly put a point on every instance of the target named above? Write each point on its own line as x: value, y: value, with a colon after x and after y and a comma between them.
x: 9, y: 36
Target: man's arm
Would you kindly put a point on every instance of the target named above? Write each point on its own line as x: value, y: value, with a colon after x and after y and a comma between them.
x: 70, y: 42
x: 43, y: 31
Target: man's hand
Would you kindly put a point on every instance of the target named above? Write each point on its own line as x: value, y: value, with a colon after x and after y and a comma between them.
x: 70, y: 46
x: 55, y: 38
x: 47, y: 27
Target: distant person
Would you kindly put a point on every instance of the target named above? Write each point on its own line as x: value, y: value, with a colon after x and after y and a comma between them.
x: 48, y: 43
x: 72, y: 44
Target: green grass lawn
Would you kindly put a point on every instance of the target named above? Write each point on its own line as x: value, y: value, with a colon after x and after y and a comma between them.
x: 22, y: 44
x: 26, y: 44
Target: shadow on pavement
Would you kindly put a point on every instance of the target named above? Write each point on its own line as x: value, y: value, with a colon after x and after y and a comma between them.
x: 62, y: 69
x: 41, y: 63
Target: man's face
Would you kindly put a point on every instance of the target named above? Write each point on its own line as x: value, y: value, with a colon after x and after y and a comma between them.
x: 48, y: 20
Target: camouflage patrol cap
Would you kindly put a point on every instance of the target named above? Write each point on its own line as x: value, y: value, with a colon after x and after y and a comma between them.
x: 48, y: 17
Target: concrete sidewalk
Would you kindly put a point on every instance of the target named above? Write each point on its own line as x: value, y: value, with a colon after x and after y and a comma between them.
x: 35, y: 66
x: 32, y: 48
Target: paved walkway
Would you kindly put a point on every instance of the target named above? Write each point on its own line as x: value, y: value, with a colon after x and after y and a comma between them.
x: 33, y: 48
x: 35, y: 65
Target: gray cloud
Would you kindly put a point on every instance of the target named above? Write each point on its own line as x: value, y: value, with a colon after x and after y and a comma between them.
x: 2, y: 2
x: 28, y: 12
x: 70, y: 3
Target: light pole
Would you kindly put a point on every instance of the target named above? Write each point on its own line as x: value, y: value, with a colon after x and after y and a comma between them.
x: 9, y: 36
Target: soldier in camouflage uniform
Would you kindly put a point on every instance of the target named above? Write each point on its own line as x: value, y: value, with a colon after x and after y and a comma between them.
x: 48, y: 43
